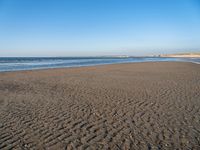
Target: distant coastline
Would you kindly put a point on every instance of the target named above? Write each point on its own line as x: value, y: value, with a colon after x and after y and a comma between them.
x: 182, y: 55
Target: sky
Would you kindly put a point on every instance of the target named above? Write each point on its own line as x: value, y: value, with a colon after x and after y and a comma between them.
x: 98, y: 27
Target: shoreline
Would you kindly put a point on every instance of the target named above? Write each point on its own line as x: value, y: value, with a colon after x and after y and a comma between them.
x: 40, y: 69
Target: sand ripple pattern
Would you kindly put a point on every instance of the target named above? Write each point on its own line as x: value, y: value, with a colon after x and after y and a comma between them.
x: 126, y: 106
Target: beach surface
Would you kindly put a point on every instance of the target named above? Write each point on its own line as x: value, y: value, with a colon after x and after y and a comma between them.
x: 154, y: 105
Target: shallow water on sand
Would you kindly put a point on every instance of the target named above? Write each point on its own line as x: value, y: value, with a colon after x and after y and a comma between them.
x: 31, y: 63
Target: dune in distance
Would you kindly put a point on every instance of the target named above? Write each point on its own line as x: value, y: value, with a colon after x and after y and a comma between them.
x: 149, y: 105
x: 182, y: 55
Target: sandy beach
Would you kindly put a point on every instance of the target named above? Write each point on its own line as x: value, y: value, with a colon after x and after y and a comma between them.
x: 121, y: 106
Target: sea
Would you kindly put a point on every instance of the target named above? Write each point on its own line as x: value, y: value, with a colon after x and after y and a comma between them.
x: 33, y: 63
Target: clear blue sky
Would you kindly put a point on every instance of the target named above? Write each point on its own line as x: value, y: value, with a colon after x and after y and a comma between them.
x: 98, y: 27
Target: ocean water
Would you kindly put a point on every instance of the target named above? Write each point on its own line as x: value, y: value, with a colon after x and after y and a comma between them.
x: 31, y: 63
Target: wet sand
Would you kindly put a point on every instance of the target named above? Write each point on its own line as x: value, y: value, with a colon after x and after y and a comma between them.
x: 122, y: 106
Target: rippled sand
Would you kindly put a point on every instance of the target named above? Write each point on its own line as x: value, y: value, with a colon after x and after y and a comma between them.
x: 122, y: 106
